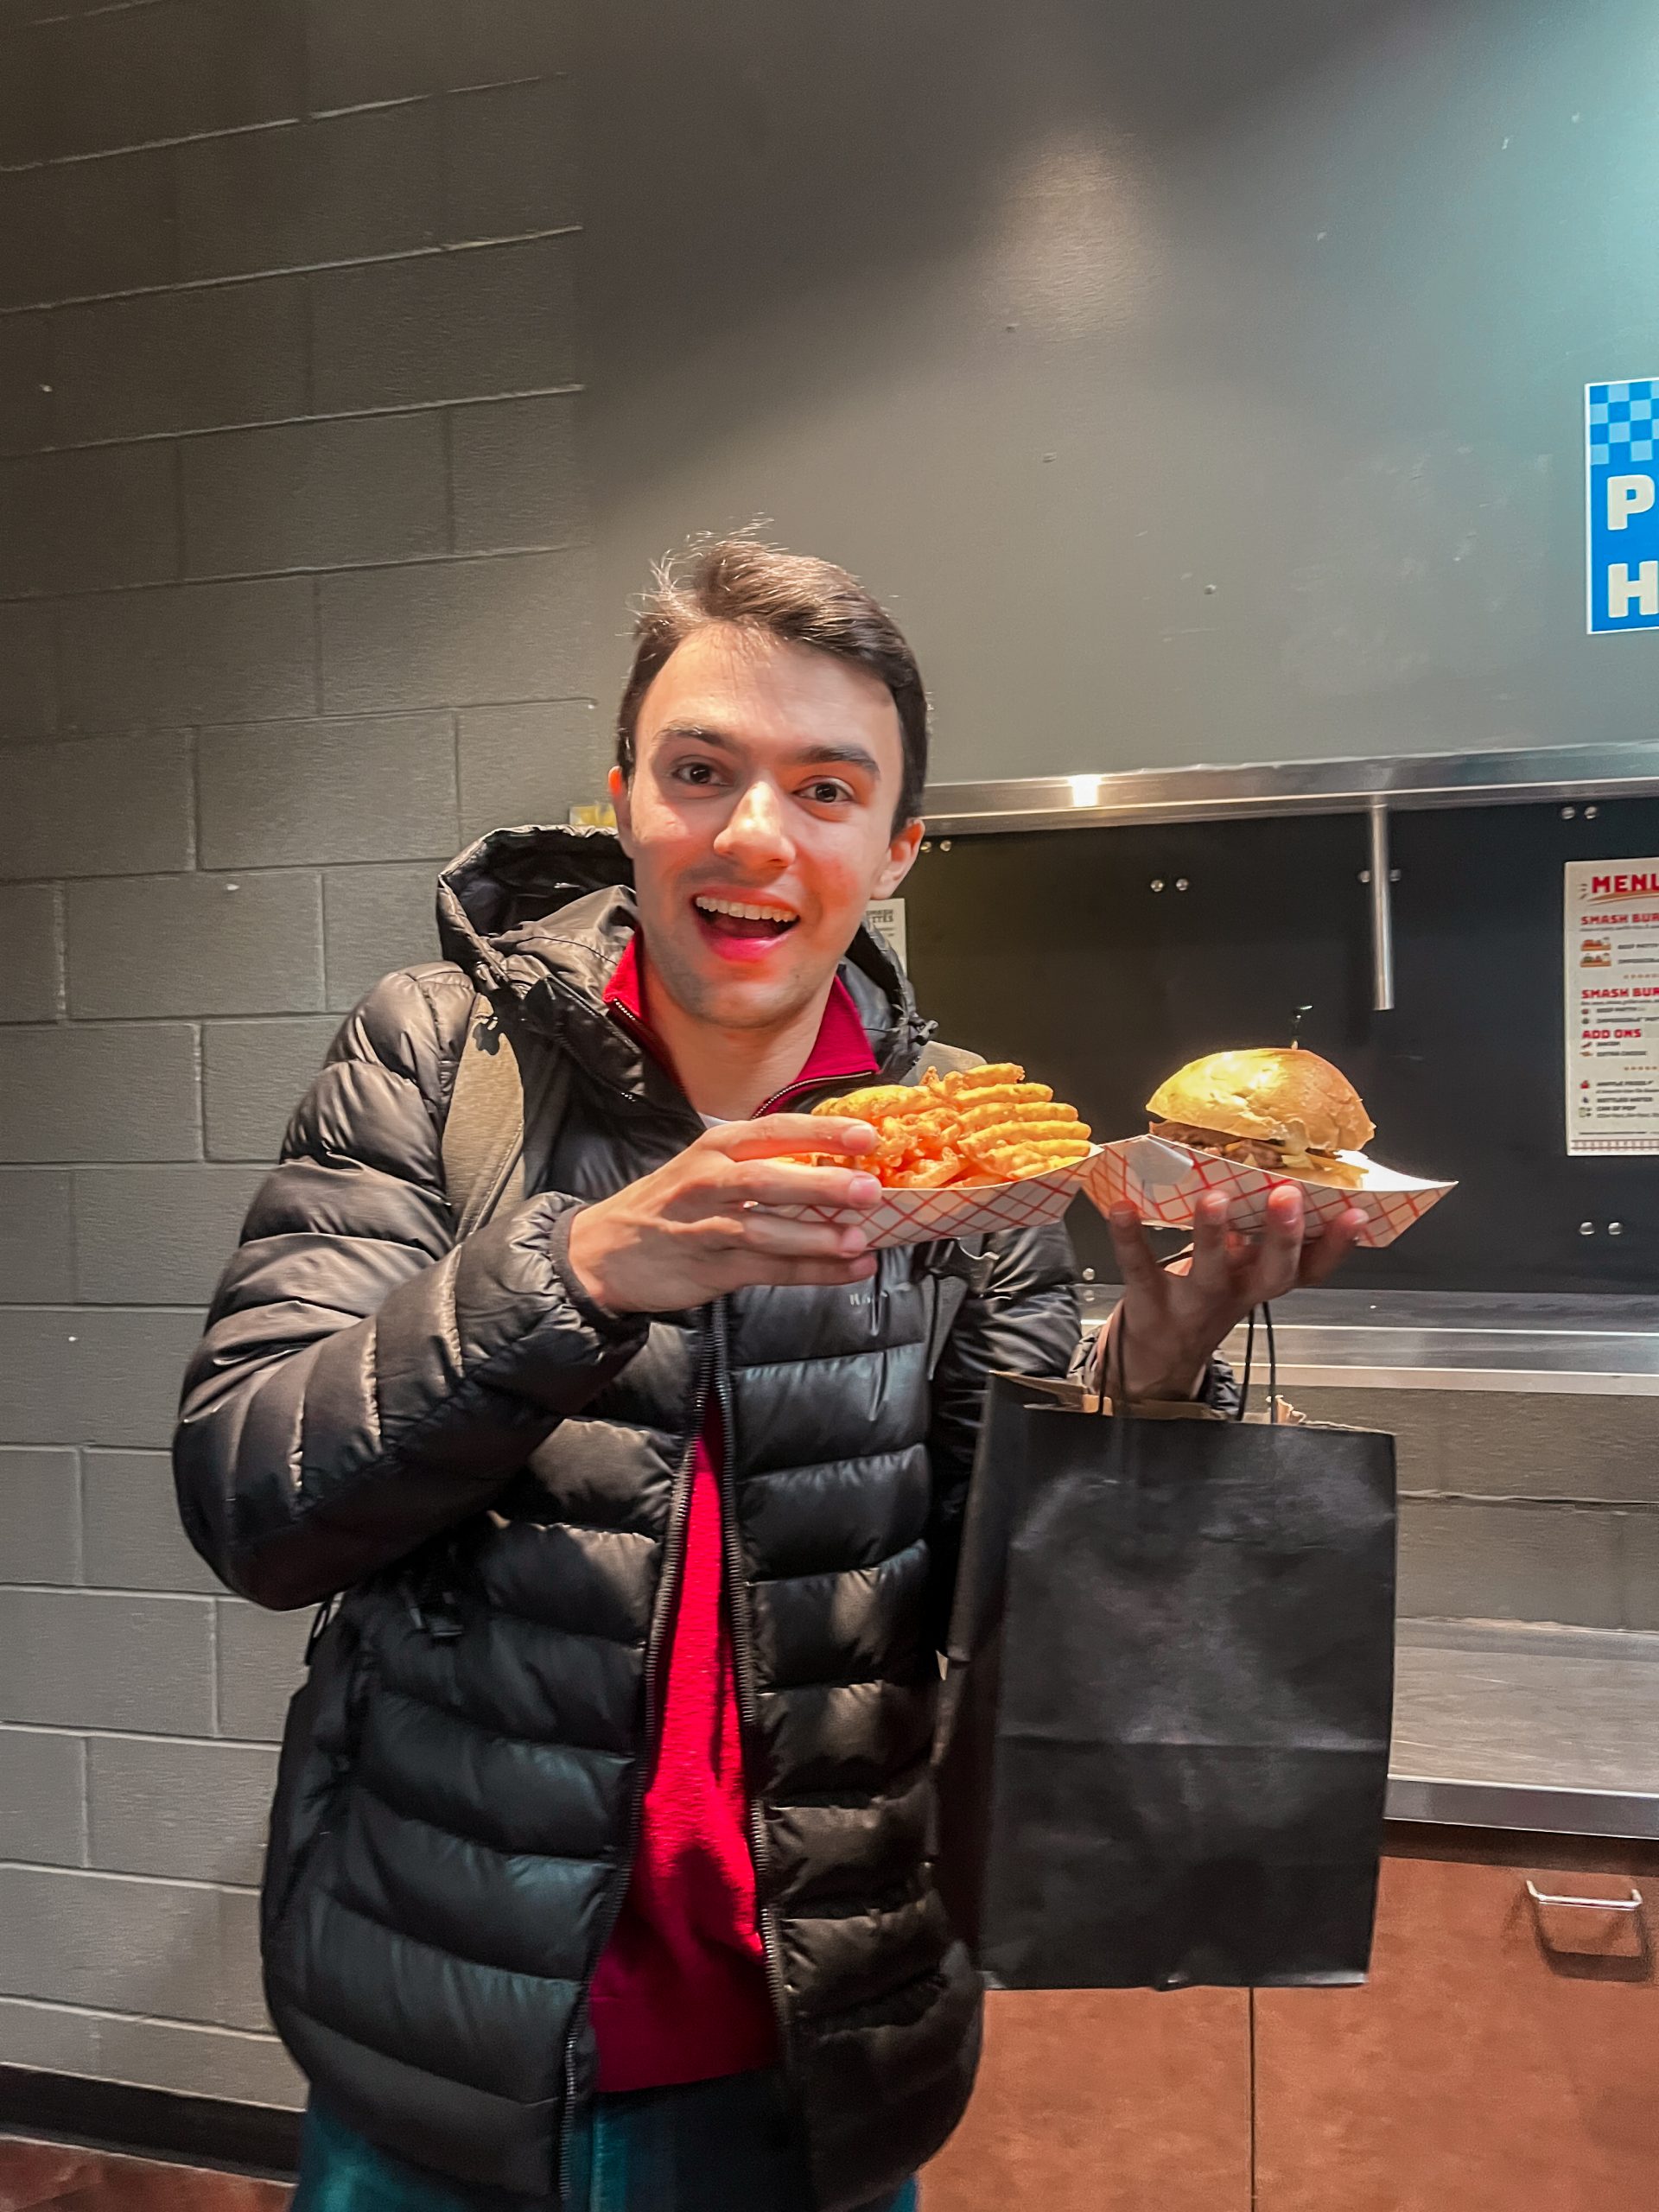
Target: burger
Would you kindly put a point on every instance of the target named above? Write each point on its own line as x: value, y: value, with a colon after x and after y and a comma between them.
x: 1286, y: 1110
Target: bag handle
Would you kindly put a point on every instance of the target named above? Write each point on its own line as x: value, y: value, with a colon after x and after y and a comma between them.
x: 1117, y: 1328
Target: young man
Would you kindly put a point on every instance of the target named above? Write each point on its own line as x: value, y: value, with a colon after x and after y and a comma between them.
x: 599, y: 1869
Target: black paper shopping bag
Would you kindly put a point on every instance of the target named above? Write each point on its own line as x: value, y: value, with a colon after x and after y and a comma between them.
x: 1163, y: 1750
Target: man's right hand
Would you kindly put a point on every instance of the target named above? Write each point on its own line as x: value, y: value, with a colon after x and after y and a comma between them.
x: 700, y: 1226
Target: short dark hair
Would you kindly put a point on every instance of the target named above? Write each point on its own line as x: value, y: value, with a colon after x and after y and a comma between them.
x: 789, y: 595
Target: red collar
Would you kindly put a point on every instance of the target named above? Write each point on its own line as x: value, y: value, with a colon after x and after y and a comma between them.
x: 840, y: 1053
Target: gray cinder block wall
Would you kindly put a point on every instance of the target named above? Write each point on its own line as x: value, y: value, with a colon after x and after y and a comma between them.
x: 292, y: 576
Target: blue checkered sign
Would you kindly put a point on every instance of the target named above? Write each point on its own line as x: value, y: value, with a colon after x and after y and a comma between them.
x: 1624, y: 517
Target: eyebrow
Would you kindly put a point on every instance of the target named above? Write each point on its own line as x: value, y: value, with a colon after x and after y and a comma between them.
x: 813, y: 756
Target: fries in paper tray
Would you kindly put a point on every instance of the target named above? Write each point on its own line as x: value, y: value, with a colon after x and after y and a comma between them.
x: 960, y: 1155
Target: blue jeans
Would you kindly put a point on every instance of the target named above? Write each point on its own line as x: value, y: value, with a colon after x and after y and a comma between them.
x: 712, y: 2146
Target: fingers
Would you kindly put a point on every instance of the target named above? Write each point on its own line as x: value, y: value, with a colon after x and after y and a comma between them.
x: 1279, y: 1256
x: 1327, y: 1252
x: 791, y: 1183
x: 777, y: 1134
x: 1211, y: 1271
x: 1136, y: 1259
x: 798, y: 1240
x: 796, y: 1273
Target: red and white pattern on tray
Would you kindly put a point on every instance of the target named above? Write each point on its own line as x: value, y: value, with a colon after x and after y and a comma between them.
x: 1163, y: 1182
x: 970, y: 1209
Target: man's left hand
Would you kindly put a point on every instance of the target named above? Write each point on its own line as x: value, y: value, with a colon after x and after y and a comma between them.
x: 1171, y: 1321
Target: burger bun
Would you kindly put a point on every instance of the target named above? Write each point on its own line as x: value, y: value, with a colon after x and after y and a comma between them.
x: 1270, y: 1095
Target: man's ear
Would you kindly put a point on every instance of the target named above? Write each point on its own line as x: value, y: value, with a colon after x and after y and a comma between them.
x: 617, y: 783
x: 896, y: 867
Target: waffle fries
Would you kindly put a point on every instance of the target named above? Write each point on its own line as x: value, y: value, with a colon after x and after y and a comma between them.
x: 979, y: 1125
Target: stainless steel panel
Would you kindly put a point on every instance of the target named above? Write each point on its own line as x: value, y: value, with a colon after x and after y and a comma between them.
x: 1205, y: 794
x: 1464, y: 1558
x: 1517, y: 1444
x: 1545, y: 1729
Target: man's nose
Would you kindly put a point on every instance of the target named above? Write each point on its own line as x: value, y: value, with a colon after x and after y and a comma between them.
x: 755, y: 834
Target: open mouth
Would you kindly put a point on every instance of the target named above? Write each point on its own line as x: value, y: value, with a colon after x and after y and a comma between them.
x: 740, y: 921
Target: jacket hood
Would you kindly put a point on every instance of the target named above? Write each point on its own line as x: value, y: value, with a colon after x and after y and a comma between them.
x: 546, y: 914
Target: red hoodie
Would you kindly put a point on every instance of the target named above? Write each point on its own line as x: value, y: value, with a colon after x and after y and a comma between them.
x: 680, y: 1993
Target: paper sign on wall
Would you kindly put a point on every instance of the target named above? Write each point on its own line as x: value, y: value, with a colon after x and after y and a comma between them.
x: 1612, y: 1005
x: 1623, y: 479
x: 888, y: 915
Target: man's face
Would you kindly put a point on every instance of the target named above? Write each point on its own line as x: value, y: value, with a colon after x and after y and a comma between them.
x: 759, y: 822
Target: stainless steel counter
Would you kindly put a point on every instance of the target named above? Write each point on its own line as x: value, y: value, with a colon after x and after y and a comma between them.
x: 1552, y: 1731
x: 1579, y: 1346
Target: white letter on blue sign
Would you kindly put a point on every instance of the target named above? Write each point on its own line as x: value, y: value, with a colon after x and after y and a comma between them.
x: 1627, y: 496
x: 1622, y: 588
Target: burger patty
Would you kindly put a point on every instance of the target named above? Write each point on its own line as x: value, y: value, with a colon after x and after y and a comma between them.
x: 1254, y: 1151
x: 1257, y: 1152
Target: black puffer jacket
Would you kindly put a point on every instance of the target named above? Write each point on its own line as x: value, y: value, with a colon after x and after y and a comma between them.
x: 495, y: 1470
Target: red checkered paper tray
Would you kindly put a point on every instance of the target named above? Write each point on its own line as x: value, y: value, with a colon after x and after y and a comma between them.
x: 960, y: 1210
x: 1163, y: 1181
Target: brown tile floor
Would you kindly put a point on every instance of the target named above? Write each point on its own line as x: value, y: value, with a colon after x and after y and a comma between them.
x: 57, y: 2177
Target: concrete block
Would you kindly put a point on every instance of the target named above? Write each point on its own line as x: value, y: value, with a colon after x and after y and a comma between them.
x: 529, y: 764
x: 39, y: 1522
x: 56, y: 2038
x: 519, y: 478
x: 456, y: 634
x: 42, y: 1800
x: 198, y: 2062
x: 1462, y: 1558
x: 261, y: 1664
x: 158, y: 1948
x: 156, y: 1235
x: 367, y: 50
x: 163, y: 945
x: 92, y: 1659
x: 80, y: 228
x: 196, y: 1812
x: 247, y: 2069
x: 31, y: 980
x: 28, y: 676
x: 83, y: 521
x: 309, y: 495
x: 307, y: 194
x: 254, y: 1073
x: 460, y: 326
x: 346, y: 791
x: 190, y: 653
x: 182, y: 360
x: 128, y: 1091
x: 97, y: 806
x: 511, y: 161
x: 129, y: 76
x: 132, y: 1538
x: 376, y: 920
x: 92, y: 1375
x: 36, y: 1236
x: 26, y: 376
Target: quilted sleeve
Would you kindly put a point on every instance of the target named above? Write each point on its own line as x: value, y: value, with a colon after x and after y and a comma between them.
x: 365, y: 1381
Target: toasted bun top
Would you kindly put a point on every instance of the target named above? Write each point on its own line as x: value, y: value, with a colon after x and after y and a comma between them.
x: 1289, y: 1097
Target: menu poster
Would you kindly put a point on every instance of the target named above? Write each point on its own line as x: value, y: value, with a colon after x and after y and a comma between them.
x: 1611, y: 909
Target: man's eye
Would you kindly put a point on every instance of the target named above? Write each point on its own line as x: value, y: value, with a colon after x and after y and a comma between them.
x: 696, y: 772
x: 827, y: 794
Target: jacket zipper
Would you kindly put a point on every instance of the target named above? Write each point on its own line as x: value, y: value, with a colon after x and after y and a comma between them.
x: 662, y: 1610
x: 737, y: 1600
